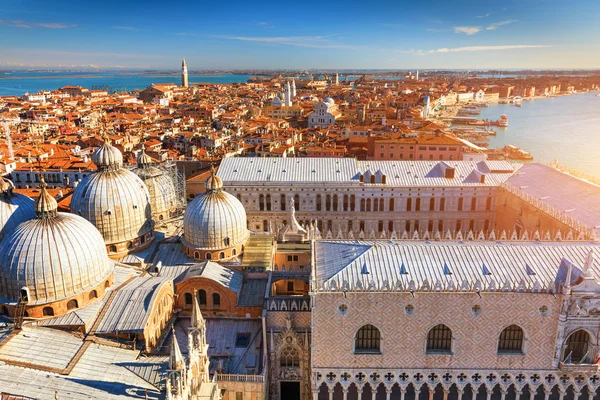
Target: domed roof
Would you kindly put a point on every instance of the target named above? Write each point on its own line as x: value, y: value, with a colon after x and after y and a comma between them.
x: 107, y: 156
x: 329, y: 101
x: 14, y: 208
x: 115, y: 200
x: 56, y: 256
x: 144, y: 160
x: 215, y: 219
x: 163, y: 196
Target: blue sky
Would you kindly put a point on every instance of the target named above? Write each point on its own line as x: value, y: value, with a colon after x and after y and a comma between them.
x: 306, y: 34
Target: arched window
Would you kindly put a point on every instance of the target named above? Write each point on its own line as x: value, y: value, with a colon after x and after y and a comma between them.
x: 335, y: 202
x: 362, y: 205
x: 208, y: 256
x: 375, y: 204
x: 460, y: 204
x: 442, y: 204
x: 261, y: 202
x: 345, y: 202
x: 289, y: 357
x: 196, y: 254
x: 129, y: 245
x: 439, y: 340
x: 408, y: 204
x: 222, y: 255
x: 367, y: 340
x: 282, y: 202
x: 328, y: 202
x: 265, y: 226
x: 297, y: 202
x: 106, y: 284
x: 112, y: 248
x: 511, y: 340
x: 352, y: 202
x: 418, y: 204
x: 432, y: 204
x: 368, y: 204
x: 577, y: 346
x: 392, y: 204
x: 93, y: 294
x: 226, y: 242
x: 216, y: 298
x: 48, y: 311
x: 233, y: 252
x: 72, y: 304
x: 187, y: 300
x: 319, y: 205
x: 268, y: 201
x: 202, y: 297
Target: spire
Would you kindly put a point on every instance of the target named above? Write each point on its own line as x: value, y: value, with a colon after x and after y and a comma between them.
x: 184, y: 73
x: 213, y: 183
x: 45, y: 205
x: 183, y: 64
x: 176, y: 361
x: 197, y: 321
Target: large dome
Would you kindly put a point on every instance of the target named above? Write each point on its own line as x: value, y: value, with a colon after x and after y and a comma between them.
x: 55, y: 256
x: 215, y: 220
x: 163, y: 196
x: 14, y: 208
x: 116, y: 201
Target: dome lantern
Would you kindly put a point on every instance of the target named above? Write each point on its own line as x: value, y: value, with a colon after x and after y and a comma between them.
x: 213, y: 183
x: 107, y: 157
x: 144, y: 160
x: 45, y: 205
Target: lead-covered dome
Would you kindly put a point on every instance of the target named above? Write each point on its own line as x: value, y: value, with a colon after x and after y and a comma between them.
x: 14, y: 208
x: 161, y: 188
x: 116, y: 201
x: 54, y: 257
x: 215, y: 223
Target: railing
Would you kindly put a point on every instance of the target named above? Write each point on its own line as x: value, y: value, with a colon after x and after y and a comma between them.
x: 239, y: 378
x: 578, y: 368
x: 551, y: 211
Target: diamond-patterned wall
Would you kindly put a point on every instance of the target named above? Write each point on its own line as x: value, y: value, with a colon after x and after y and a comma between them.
x: 475, y: 338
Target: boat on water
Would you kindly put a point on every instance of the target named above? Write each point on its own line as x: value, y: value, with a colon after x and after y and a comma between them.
x: 503, y: 121
x: 469, y: 110
x: 517, y: 100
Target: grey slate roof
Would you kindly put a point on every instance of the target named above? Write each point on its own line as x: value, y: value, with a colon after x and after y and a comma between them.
x: 253, y: 292
x: 348, y: 170
x: 578, y: 198
x: 360, y: 265
x: 131, y: 306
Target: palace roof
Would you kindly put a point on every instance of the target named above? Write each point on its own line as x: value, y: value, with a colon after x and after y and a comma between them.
x: 348, y: 171
x: 450, y: 266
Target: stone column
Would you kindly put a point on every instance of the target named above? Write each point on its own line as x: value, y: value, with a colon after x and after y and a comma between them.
x: 403, y: 392
x: 502, y: 393
x: 460, y: 393
x: 315, y: 392
x: 446, y: 392
x: 489, y: 392
x: 345, y: 390
x: 374, y: 392
x: 431, y: 392
x: 330, y: 392
x: 532, y: 391
x: 388, y: 393
x: 547, y: 392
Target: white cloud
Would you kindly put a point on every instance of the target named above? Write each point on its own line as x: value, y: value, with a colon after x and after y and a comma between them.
x: 467, y: 30
x: 483, y: 16
x: 25, y: 24
x: 488, y: 48
x: 126, y: 28
x: 497, y: 25
x: 317, y: 42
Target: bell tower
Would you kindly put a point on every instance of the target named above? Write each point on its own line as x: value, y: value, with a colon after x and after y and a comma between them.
x: 184, y: 73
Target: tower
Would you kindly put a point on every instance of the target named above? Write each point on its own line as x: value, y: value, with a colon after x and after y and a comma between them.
x: 293, y: 88
x: 287, y: 95
x: 184, y: 73
x: 336, y: 79
x: 417, y: 77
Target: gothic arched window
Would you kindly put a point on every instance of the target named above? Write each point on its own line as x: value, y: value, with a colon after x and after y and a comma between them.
x: 367, y: 340
x: 439, y: 340
x: 289, y: 357
x: 577, y: 346
x: 202, y: 297
x: 511, y: 340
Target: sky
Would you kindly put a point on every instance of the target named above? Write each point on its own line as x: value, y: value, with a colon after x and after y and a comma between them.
x: 349, y: 34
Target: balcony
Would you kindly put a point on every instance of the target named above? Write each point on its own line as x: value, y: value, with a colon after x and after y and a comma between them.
x: 578, y: 368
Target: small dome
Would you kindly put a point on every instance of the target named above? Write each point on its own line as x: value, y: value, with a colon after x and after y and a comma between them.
x: 107, y: 156
x: 56, y: 256
x: 215, y: 219
x: 144, y: 160
x: 15, y: 208
x: 329, y: 101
